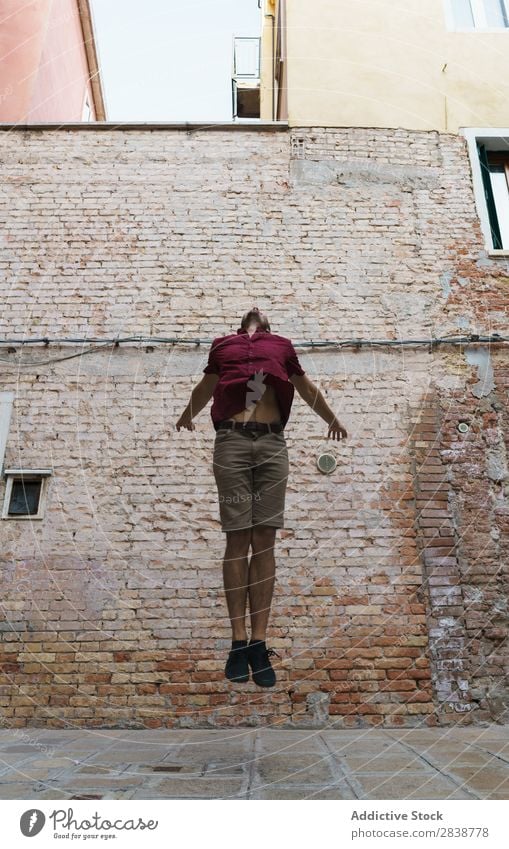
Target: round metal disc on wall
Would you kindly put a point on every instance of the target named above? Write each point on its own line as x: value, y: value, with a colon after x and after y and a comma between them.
x: 326, y: 463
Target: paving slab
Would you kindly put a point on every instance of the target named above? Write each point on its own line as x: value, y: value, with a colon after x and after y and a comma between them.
x: 255, y: 763
x: 382, y: 763
x: 292, y: 791
x: 414, y: 786
x: 294, y: 769
x: 483, y: 780
x: 191, y: 788
x: 17, y: 790
x: 499, y: 749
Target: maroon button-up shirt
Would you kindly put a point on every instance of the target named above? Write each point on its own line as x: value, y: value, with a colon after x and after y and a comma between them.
x: 264, y: 359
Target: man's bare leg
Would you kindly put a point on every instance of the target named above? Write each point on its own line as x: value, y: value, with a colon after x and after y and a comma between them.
x: 235, y: 577
x: 262, y: 573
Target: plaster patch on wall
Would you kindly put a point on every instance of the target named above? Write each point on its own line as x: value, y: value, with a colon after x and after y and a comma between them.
x: 484, y: 263
x: 480, y: 357
x: 331, y: 172
x: 496, y: 459
x: 317, y: 706
x: 404, y: 305
x: 445, y: 280
x: 448, y: 383
x: 498, y: 315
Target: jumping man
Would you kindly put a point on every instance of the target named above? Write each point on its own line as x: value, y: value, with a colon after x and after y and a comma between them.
x: 252, y: 374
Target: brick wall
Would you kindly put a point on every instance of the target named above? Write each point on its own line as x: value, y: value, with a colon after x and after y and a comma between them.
x: 390, y: 604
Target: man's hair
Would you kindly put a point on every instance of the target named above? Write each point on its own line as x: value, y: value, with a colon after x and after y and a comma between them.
x: 246, y: 317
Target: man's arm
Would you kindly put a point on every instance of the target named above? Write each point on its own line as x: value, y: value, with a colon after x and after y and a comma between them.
x: 312, y: 396
x: 200, y: 396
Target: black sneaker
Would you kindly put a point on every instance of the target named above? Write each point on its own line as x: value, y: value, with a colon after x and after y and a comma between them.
x: 237, y: 668
x: 258, y: 657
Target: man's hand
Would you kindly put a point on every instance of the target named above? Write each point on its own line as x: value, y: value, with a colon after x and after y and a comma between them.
x: 314, y: 398
x: 336, y: 430
x: 201, y: 395
x: 186, y: 420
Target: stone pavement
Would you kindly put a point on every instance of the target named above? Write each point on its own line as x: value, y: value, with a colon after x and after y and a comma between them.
x: 255, y: 763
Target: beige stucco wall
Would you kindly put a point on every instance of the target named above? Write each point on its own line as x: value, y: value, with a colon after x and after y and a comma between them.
x: 376, y: 64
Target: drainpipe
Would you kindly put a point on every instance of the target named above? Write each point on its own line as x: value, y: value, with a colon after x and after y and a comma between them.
x: 273, y: 81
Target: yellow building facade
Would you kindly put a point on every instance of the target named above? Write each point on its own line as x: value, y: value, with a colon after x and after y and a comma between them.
x: 417, y: 64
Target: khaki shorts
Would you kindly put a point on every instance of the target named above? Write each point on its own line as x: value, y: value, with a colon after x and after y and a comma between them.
x: 251, y: 472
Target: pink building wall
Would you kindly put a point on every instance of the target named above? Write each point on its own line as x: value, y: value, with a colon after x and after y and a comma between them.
x: 43, y: 64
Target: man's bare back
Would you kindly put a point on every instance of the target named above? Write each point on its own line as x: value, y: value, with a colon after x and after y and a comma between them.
x: 264, y: 410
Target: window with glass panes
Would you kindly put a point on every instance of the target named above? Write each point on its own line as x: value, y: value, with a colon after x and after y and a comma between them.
x: 495, y: 174
x: 480, y: 14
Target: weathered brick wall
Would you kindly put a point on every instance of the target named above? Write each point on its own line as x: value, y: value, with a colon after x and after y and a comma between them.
x: 390, y: 603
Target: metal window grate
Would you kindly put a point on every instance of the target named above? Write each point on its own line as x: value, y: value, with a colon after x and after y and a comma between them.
x: 87, y: 796
x: 163, y: 768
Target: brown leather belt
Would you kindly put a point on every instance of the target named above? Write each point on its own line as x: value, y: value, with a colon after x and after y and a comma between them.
x: 264, y: 427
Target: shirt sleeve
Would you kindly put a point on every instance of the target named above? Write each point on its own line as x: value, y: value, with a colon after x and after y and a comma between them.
x: 212, y: 366
x: 292, y: 362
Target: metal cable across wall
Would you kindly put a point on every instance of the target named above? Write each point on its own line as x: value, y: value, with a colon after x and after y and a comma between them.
x: 431, y: 343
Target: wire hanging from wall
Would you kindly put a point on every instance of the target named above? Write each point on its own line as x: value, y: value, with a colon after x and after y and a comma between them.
x: 431, y: 343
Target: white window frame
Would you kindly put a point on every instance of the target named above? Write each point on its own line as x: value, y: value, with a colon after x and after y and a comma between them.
x: 6, y: 405
x: 497, y: 138
x: 15, y: 474
x: 479, y: 15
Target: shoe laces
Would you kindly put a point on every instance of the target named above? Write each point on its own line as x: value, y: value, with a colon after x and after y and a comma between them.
x: 271, y: 652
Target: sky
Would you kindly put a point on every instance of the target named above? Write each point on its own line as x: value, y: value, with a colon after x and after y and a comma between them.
x: 170, y: 60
